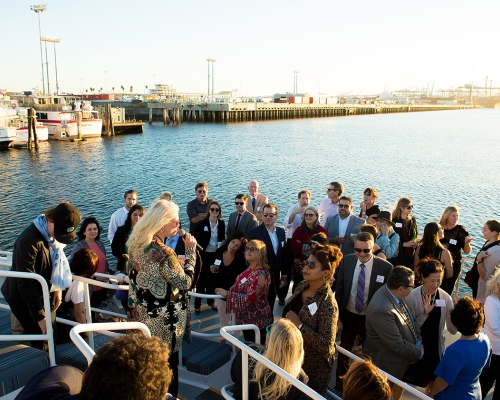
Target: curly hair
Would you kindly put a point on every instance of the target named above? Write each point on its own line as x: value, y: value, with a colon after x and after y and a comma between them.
x: 262, y: 253
x: 467, y: 316
x: 364, y: 381
x: 130, y: 367
x: 427, y: 266
x: 493, y: 285
x: 329, y: 256
x: 318, y: 238
x: 238, y: 235
x: 86, y: 222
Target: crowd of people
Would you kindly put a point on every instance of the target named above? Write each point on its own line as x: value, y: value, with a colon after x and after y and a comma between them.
x: 366, y: 277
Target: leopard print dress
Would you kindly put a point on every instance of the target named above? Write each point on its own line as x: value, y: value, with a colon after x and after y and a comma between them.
x: 158, y: 293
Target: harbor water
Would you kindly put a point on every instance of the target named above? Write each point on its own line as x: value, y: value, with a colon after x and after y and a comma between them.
x: 436, y: 158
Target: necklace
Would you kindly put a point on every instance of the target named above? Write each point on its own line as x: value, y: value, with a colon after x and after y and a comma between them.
x: 433, y: 297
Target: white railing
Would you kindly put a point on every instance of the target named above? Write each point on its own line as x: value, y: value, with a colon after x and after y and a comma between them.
x: 49, y: 336
x: 246, y: 351
x: 89, y: 352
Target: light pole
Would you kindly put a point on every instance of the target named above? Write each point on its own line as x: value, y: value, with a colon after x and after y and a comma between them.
x: 51, y: 40
x: 213, y: 60
x: 295, y: 81
x: 38, y: 9
x: 210, y: 60
x: 106, y: 81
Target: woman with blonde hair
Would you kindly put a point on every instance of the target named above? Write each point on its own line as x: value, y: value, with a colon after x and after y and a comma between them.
x: 406, y: 227
x: 491, y: 327
x: 364, y: 381
x: 247, y: 298
x: 159, y: 284
x: 456, y: 238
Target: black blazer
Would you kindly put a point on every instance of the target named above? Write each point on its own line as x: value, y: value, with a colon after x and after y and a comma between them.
x: 202, y: 232
x: 346, y: 272
x: 276, y: 261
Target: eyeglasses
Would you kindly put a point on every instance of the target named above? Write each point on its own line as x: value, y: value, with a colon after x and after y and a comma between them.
x: 215, y: 209
x: 358, y: 250
x: 268, y: 215
x: 239, y: 203
x: 409, y: 207
x: 268, y: 330
x: 309, y: 264
x: 344, y: 205
x: 201, y: 191
x: 309, y: 215
x: 251, y: 249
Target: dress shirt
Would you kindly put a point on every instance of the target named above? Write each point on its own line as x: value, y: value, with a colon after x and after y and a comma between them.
x: 274, y: 239
x: 118, y: 219
x: 343, y: 225
x: 212, y: 244
x: 290, y: 228
x: 327, y: 208
x: 172, y: 241
x: 351, y: 303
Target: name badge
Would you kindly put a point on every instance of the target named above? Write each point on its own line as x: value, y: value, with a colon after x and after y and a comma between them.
x: 399, y: 225
x: 258, y: 208
x: 453, y: 241
x: 243, y: 280
x: 440, y: 303
x: 217, y: 262
x: 206, y: 229
x: 282, y: 244
x: 380, y: 278
x: 313, y: 308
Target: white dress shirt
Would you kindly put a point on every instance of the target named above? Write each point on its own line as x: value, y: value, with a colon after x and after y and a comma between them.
x: 327, y: 208
x: 290, y: 228
x: 351, y: 303
x: 118, y: 218
x: 273, y: 235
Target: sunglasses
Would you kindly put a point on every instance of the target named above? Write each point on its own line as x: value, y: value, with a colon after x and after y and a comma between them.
x: 344, y: 205
x: 215, y: 209
x: 268, y: 330
x: 409, y: 207
x: 358, y: 250
x: 309, y: 264
x: 268, y: 215
x: 239, y: 203
x: 309, y: 215
x: 201, y: 191
x: 329, y: 190
x: 251, y: 249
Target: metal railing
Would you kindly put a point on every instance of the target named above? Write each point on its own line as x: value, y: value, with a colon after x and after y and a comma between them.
x: 246, y: 351
x: 49, y: 336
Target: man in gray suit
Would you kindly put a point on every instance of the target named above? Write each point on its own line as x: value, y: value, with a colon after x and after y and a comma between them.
x: 392, y: 334
x: 360, y: 275
x: 256, y: 200
x: 242, y: 219
x: 343, y: 227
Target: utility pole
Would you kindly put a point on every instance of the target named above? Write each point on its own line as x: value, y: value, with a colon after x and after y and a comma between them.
x: 295, y: 83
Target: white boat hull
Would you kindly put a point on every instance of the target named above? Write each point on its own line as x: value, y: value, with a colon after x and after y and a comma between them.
x: 42, y: 134
x: 68, y: 131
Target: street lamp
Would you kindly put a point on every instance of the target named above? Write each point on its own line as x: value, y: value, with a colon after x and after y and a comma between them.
x: 38, y: 9
x: 51, y: 40
x: 211, y: 60
x: 295, y: 81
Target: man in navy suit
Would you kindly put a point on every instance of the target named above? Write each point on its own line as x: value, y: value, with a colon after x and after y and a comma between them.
x: 360, y: 275
x: 274, y: 238
x: 242, y: 219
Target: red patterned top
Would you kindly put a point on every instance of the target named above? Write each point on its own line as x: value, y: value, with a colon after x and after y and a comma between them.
x: 248, y: 300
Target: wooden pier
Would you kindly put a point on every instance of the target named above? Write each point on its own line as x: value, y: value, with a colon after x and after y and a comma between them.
x: 177, y: 112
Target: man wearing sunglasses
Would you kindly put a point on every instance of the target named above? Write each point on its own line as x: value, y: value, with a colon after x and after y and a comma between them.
x: 330, y: 206
x: 343, y: 227
x: 274, y: 238
x: 360, y: 275
x: 197, y: 209
x: 241, y: 220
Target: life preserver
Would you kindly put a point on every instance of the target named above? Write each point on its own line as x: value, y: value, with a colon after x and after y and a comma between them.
x: 14, y: 105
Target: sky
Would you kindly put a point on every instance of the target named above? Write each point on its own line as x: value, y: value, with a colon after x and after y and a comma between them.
x: 338, y: 47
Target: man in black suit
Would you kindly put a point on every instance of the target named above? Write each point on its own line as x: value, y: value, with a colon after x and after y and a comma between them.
x: 274, y: 238
x: 360, y: 275
x: 242, y: 219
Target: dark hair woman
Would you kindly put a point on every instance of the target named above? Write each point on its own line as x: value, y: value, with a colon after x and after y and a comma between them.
x: 209, y: 233
x: 457, y: 375
x: 119, y: 244
x: 488, y: 258
x: 431, y: 247
x: 431, y: 306
x: 89, y: 238
x: 456, y: 239
x: 83, y: 263
x: 313, y: 309
x: 406, y: 227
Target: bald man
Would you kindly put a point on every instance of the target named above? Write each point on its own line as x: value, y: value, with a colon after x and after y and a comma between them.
x: 256, y: 200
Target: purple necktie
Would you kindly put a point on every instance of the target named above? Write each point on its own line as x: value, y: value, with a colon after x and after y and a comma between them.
x: 237, y: 221
x: 360, y: 295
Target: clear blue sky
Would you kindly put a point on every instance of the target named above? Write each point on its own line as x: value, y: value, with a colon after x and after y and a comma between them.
x: 337, y: 46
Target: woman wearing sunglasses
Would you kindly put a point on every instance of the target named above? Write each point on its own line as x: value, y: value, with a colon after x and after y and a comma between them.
x: 300, y: 239
x: 159, y: 284
x: 406, y: 227
x: 313, y: 309
x: 247, y: 298
x: 431, y: 306
x: 209, y: 233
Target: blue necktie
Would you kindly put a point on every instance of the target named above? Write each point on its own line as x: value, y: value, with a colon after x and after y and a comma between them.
x: 360, y: 294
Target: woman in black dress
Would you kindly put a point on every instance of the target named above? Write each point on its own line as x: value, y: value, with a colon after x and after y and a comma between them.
x: 431, y: 307
x: 407, y: 229
x: 456, y: 238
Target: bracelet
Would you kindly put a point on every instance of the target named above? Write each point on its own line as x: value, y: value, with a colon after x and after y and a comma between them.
x: 479, y: 261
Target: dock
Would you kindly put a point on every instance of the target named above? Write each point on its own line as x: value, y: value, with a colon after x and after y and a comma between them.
x: 190, y: 111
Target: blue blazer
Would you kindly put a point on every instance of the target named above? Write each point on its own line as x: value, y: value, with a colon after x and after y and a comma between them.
x: 276, y: 261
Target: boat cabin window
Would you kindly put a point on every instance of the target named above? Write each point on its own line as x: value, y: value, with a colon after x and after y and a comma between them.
x: 41, y: 115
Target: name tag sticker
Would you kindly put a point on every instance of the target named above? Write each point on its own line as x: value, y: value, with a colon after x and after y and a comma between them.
x: 282, y: 244
x: 258, y: 208
x: 313, y: 308
x: 440, y: 303
x: 380, y: 278
x: 399, y: 225
x: 243, y: 280
x: 453, y: 241
x: 206, y: 229
x: 217, y: 262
